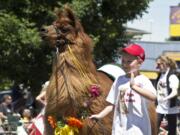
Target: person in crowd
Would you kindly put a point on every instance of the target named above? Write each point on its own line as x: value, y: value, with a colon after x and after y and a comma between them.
x: 42, y: 96
x: 129, y: 96
x: 5, y: 107
x: 26, y: 116
x: 17, y: 92
x: 167, y: 84
x: 22, y: 98
x: 37, y: 126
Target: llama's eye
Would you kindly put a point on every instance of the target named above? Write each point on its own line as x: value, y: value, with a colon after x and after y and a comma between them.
x: 64, y: 30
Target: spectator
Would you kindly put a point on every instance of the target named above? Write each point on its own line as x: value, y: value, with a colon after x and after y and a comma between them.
x: 17, y: 92
x: 37, y: 126
x: 42, y: 96
x: 5, y: 106
x: 26, y: 116
x: 167, y: 89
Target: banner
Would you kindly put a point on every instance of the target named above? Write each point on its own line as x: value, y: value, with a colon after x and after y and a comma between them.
x: 175, y: 21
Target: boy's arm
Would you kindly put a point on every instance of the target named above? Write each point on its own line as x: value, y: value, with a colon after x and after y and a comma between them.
x: 103, y: 113
x: 145, y: 93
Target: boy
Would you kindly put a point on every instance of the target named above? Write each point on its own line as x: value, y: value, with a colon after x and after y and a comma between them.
x: 129, y: 96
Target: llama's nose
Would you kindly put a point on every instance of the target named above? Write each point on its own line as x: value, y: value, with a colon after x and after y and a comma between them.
x: 43, y: 30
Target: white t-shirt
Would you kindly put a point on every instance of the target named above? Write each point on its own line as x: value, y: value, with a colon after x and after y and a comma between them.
x: 162, y: 92
x: 131, y: 115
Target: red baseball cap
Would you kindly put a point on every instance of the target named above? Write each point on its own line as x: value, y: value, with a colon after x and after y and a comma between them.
x: 135, y: 50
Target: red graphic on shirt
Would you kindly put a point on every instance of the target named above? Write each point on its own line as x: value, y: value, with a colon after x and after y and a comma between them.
x: 129, y: 97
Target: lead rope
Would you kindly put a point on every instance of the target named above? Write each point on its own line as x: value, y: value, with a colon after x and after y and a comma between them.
x: 86, y: 81
x: 57, y: 92
x: 56, y: 70
x: 81, y: 69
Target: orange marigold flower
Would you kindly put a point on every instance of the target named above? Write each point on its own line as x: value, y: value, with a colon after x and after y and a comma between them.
x: 52, y: 121
x: 72, y: 121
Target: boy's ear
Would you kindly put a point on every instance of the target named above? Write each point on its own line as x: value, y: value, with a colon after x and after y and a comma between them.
x: 140, y: 61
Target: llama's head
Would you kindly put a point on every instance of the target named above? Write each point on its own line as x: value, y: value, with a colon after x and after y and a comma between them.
x: 65, y: 30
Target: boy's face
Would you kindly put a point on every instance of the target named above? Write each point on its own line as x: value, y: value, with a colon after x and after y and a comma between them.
x: 130, y: 63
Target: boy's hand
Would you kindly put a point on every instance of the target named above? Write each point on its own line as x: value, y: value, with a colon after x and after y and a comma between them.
x: 134, y: 66
x: 132, y: 82
x: 95, y: 117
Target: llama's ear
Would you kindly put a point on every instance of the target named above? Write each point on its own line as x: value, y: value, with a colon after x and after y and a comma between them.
x: 70, y: 14
x: 58, y: 12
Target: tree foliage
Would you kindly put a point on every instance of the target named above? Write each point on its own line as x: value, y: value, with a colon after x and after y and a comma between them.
x: 22, y: 56
x: 25, y: 58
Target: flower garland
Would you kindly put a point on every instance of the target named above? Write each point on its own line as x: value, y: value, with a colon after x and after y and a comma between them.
x: 71, y: 125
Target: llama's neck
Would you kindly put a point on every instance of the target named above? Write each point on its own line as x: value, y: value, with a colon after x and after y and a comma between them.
x: 73, y: 82
x: 73, y: 70
x: 79, y: 66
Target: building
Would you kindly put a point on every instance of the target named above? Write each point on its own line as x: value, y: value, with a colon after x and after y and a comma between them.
x: 174, y: 28
x: 153, y: 50
x: 135, y: 34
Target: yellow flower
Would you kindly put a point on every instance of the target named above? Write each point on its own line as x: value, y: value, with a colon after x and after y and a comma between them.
x: 66, y: 130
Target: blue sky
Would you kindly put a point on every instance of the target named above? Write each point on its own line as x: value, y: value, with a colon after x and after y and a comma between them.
x: 156, y: 20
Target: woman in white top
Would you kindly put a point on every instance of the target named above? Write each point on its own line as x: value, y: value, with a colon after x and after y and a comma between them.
x: 167, y: 89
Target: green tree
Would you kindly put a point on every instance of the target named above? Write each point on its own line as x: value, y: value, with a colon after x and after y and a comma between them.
x: 22, y: 57
x: 104, y: 20
x: 25, y: 58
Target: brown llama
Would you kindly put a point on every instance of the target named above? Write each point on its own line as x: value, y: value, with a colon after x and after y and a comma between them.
x: 73, y: 76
